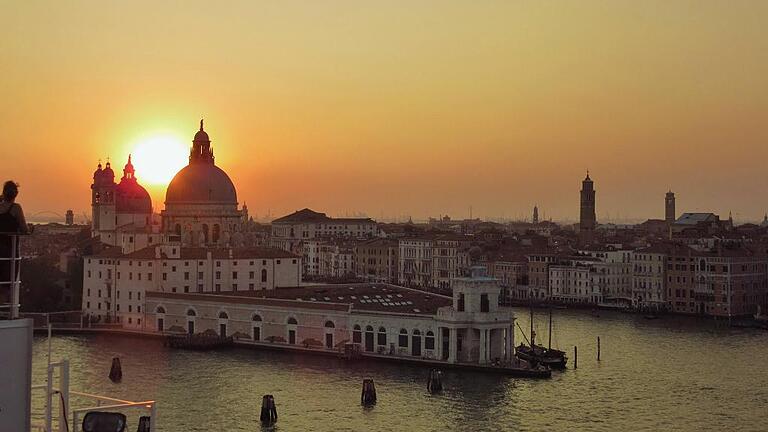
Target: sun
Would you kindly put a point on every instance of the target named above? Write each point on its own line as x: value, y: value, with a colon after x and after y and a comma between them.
x: 158, y: 158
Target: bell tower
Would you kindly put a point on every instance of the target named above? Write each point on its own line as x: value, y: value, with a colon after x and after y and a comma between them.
x: 669, y: 207
x: 587, y: 220
x: 103, y: 203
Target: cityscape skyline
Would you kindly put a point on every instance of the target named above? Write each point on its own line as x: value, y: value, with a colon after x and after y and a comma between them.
x: 498, y: 107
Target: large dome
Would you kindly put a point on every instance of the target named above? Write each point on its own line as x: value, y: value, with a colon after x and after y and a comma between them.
x: 201, y: 183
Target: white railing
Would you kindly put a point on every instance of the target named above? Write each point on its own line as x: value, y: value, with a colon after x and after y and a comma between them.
x: 14, y: 281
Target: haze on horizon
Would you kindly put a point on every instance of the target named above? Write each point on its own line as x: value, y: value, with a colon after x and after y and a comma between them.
x: 402, y: 108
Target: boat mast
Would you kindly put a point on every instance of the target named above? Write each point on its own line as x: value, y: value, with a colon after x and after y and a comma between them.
x: 533, y: 334
x: 550, y: 329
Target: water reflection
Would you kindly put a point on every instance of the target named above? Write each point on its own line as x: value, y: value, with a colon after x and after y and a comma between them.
x: 674, y: 373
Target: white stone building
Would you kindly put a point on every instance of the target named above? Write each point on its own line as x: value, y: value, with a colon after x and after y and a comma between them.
x: 613, y: 272
x: 382, y: 319
x: 574, y: 280
x: 649, y: 277
x: 115, y: 283
x: 288, y: 232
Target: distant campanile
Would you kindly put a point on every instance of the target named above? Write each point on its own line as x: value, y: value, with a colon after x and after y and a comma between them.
x: 669, y: 207
x: 588, y: 220
x: 535, y: 214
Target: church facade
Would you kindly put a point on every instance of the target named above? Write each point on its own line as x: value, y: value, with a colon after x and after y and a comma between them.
x: 201, y: 206
x: 194, y: 246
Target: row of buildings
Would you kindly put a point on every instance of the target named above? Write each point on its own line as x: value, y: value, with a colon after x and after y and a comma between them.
x: 203, y: 253
x: 193, y: 269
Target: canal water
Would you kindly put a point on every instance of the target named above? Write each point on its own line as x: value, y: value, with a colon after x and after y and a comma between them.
x: 673, y: 373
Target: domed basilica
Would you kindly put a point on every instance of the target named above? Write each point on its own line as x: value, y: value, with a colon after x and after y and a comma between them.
x: 201, y: 200
x: 201, y: 206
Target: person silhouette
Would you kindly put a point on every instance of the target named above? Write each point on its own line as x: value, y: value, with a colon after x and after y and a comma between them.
x: 11, y: 222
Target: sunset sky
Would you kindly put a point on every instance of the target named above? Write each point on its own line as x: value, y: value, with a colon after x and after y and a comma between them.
x: 394, y: 108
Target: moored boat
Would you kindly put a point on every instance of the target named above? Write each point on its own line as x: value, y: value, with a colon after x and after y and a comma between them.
x: 540, y: 355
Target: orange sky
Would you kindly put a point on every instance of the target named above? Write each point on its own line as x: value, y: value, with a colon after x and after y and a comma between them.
x: 399, y: 108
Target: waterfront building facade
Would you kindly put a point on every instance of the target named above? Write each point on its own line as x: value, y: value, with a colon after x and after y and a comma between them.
x: 575, y: 280
x: 381, y: 319
x: 115, y: 283
x: 649, y: 277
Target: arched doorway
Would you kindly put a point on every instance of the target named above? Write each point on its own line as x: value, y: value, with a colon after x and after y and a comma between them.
x: 369, y: 338
x: 160, y: 318
x: 191, y: 314
x: 357, y: 334
x: 292, y: 326
x: 223, y: 320
x: 329, y: 326
x: 416, y: 343
x: 256, y: 327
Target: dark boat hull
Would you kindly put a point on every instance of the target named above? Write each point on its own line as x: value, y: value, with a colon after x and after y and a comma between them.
x: 553, y: 359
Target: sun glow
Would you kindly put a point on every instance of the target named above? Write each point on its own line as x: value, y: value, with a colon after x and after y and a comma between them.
x: 158, y: 158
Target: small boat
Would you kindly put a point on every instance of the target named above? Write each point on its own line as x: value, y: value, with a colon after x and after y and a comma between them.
x: 539, y: 355
x: 651, y: 317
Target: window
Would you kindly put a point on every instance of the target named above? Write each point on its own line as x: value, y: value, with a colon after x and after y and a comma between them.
x: 218, y: 275
x: 165, y: 276
x: 484, y: 305
x: 186, y: 288
x: 223, y: 315
x: 460, y: 303
x: 251, y: 275
x: 292, y: 321
x: 160, y: 310
x: 191, y: 312
x: 149, y: 276
x: 234, y: 275
x: 429, y: 341
x: 264, y: 275
x: 186, y: 275
x: 357, y: 335
x: 199, y: 275
x: 329, y: 324
x: 402, y: 340
x: 382, y: 337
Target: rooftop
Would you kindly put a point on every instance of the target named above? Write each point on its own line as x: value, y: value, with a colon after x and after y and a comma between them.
x: 368, y: 297
x: 310, y: 216
x: 195, y: 253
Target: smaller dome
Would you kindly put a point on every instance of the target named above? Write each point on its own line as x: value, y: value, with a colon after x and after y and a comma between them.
x: 131, y: 197
x: 97, y: 173
x: 201, y: 135
x: 108, y: 173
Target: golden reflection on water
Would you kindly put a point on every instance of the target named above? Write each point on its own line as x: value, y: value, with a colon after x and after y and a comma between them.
x: 674, y: 373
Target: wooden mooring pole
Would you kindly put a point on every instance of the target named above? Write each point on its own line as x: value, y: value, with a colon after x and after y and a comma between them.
x: 575, y: 357
x: 598, y: 348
